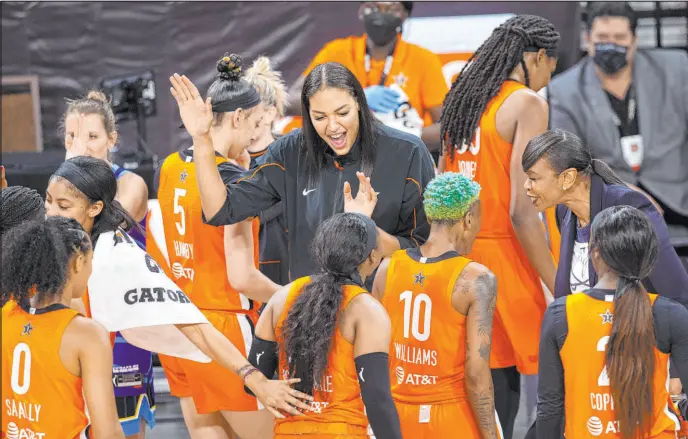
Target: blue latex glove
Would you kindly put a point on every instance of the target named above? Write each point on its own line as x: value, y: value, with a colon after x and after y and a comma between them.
x: 382, y: 99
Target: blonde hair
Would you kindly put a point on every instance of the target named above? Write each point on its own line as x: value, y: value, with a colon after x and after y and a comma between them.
x: 268, y: 83
x: 95, y: 102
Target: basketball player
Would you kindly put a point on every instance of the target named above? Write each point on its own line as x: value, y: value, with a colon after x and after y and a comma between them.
x: 489, y: 115
x: 84, y: 188
x: 90, y: 129
x: 19, y: 204
x: 441, y: 306
x: 274, y: 249
x: 217, y: 266
x: 625, y: 336
x: 56, y: 364
x: 328, y: 331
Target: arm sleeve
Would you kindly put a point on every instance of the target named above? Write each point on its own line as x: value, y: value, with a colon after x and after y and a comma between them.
x: 263, y: 356
x: 253, y: 191
x: 413, y: 225
x: 550, y: 405
x: 671, y: 327
x: 434, y: 84
x: 668, y: 277
x: 373, y: 377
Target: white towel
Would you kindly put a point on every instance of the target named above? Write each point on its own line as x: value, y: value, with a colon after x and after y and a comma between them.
x: 130, y: 293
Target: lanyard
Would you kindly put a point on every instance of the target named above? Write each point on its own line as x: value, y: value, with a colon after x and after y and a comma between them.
x: 631, y: 109
x: 388, y: 64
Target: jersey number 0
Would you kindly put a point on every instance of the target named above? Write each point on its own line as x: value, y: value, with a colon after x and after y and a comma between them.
x: 412, y: 309
x: 21, y: 389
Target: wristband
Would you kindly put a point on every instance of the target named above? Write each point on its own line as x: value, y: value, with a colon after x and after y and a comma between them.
x: 247, y: 373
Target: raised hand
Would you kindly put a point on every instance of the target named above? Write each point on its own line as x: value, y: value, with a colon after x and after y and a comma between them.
x: 278, y: 395
x: 196, y: 114
x: 3, y: 182
x: 365, y: 200
x: 77, y: 144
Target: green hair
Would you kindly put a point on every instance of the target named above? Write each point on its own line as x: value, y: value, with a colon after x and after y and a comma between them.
x: 449, y: 196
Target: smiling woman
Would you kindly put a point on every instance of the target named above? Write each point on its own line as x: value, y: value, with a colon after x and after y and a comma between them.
x: 315, y: 170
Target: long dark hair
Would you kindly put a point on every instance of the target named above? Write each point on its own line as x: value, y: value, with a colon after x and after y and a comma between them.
x: 482, y: 77
x: 339, y: 248
x: 335, y: 75
x: 564, y: 150
x: 96, y: 181
x: 627, y: 243
x: 19, y: 204
x: 36, y: 257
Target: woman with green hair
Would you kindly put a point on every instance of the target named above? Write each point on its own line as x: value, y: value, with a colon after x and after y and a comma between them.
x: 441, y: 306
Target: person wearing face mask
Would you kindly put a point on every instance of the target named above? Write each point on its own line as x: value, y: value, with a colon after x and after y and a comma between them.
x: 630, y: 107
x: 403, y: 82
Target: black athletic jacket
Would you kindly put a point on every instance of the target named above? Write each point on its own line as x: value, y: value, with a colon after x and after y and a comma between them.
x: 403, y: 167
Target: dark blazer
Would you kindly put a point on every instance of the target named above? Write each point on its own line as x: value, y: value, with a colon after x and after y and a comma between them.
x: 668, y: 278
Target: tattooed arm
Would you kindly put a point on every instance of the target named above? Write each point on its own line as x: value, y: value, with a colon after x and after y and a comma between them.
x: 479, y: 288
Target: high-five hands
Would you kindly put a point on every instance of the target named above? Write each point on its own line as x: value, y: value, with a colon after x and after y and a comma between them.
x: 365, y: 200
x: 196, y: 114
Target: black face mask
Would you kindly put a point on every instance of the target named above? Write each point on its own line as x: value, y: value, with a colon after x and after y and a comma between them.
x: 382, y: 28
x: 610, y: 57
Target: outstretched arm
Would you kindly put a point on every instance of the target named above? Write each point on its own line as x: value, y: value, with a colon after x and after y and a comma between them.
x: 483, y: 287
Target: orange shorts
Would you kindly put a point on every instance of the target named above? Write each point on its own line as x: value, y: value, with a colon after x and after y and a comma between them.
x: 520, y: 304
x: 212, y: 386
x: 176, y: 377
x: 319, y: 430
x: 439, y: 421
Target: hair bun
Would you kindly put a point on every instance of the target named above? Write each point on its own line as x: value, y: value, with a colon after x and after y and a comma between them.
x: 230, y: 67
x: 98, y: 95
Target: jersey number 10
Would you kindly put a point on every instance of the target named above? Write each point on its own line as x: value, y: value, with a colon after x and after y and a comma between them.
x: 412, y: 309
x: 21, y: 389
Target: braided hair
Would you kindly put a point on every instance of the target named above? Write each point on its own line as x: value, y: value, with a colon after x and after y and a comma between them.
x: 482, y: 77
x: 19, y: 204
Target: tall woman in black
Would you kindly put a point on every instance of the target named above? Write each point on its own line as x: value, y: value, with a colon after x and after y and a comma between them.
x: 313, y: 171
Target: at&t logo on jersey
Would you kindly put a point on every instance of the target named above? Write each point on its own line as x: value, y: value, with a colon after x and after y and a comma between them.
x: 180, y: 272
x: 596, y: 426
x: 14, y: 432
x: 400, y: 374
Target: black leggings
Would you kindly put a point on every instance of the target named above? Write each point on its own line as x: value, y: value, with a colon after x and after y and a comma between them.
x: 507, y: 391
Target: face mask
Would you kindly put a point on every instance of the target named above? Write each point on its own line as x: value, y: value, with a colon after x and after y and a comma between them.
x: 610, y: 57
x: 382, y: 28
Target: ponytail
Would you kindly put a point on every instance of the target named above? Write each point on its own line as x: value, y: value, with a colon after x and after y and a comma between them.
x: 626, y: 242
x: 631, y: 359
x: 341, y: 244
x: 309, y: 328
x: 606, y: 173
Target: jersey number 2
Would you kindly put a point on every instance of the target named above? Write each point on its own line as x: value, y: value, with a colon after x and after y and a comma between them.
x: 603, y: 380
x: 20, y: 389
x: 179, y: 209
x: 412, y: 315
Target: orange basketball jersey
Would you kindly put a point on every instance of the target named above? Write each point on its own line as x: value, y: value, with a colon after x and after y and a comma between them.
x: 338, y: 407
x: 589, y: 406
x: 428, y: 350
x: 487, y: 160
x: 41, y: 398
x: 196, y: 250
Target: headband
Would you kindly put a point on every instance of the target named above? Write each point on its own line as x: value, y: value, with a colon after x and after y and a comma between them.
x: 75, y: 175
x: 249, y: 99
x: 371, y: 233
